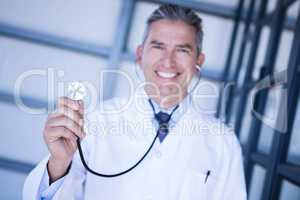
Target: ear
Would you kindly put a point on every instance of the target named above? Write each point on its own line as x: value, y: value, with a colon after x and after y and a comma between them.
x: 139, y: 54
x: 200, y: 59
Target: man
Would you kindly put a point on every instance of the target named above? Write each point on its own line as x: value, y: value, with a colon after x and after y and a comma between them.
x: 194, y: 155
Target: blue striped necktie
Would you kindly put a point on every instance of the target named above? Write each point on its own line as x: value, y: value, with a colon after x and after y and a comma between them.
x: 163, y: 122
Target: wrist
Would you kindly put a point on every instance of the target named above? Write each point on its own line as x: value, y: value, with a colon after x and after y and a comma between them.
x: 57, y: 169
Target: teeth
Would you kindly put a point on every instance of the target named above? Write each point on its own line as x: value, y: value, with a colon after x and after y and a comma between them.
x: 166, y: 74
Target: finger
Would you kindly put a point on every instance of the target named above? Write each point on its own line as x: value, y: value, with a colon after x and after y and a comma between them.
x: 68, y: 123
x: 70, y: 114
x: 74, y: 115
x: 55, y: 133
x: 65, y: 101
x: 71, y: 143
x: 81, y: 107
x: 65, y: 111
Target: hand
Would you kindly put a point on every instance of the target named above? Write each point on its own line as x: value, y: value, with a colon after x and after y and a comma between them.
x: 61, y: 131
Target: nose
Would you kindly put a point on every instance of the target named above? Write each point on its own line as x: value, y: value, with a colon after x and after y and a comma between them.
x: 168, y: 59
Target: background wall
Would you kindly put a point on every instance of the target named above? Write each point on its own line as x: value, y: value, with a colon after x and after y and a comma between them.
x: 82, y: 38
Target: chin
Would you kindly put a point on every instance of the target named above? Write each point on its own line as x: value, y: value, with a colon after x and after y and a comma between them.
x: 170, y: 91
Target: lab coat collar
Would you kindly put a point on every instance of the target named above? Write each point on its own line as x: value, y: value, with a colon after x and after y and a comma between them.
x: 169, y: 147
x: 142, y: 105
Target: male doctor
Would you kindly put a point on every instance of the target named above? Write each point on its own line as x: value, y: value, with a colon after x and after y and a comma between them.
x: 194, y: 155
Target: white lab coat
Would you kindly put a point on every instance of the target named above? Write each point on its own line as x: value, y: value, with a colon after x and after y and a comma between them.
x: 175, y: 169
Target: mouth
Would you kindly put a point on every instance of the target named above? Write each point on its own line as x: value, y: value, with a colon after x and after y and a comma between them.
x: 167, y: 75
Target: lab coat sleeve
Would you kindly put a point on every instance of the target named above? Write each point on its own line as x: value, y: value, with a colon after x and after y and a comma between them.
x: 70, y: 186
x: 234, y: 183
x: 33, y: 181
x: 47, y: 191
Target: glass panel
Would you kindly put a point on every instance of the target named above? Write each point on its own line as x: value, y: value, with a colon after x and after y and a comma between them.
x: 262, y: 49
x: 72, y: 19
x: 272, y: 105
x: 271, y: 5
x: 245, y: 61
x: 257, y: 183
x: 284, y: 50
x: 216, y: 41
x: 236, y: 51
x: 246, y: 5
x: 294, y: 148
x: 12, y: 184
x: 20, y: 57
x: 233, y: 113
x: 293, y: 10
x: 229, y: 3
x: 217, y: 33
x: 268, y: 120
x: 246, y: 123
x: 265, y: 139
x: 289, y: 191
x: 22, y: 137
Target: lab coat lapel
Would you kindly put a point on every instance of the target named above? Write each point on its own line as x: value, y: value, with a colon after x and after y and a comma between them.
x: 31, y: 185
x: 130, y: 141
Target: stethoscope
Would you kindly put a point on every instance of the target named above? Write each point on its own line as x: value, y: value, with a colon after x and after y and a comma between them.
x: 146, y: 153
x: 129, y: 169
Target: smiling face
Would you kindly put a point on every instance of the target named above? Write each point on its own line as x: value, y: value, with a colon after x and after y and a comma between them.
x: 168, y: 59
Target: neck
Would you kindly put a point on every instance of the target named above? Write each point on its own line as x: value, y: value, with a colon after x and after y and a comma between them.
x: 166, y: 102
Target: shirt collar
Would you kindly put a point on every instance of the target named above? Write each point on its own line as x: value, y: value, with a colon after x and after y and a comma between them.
x: 144, y: 108
x: 183, y: 106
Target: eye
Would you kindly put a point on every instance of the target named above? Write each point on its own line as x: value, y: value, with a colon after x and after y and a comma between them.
x: 183, y: 50
x: 157, y: 47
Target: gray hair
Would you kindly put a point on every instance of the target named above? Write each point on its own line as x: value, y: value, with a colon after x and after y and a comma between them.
x: 175, y: 12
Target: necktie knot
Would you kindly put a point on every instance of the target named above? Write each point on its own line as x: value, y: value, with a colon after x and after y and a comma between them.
x: 163, y: 121
x: 162, y: 118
